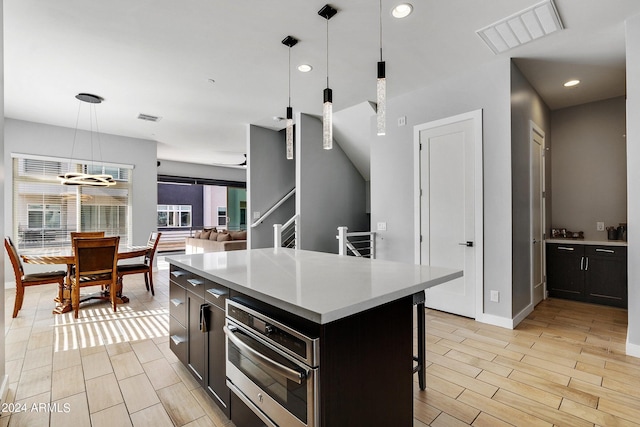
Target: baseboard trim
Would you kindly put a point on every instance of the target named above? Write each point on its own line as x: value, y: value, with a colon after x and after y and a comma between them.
x: 632, y: 349
x: 523, y: 315
x: 491, y: 319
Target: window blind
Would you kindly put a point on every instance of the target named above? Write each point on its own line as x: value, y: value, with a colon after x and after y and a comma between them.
x: 45, y: 212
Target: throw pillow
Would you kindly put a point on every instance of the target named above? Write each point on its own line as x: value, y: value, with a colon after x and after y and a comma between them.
x: 223, y: 237
x: 205, y: 234
x: 197, y: 235
x: 214, y: 236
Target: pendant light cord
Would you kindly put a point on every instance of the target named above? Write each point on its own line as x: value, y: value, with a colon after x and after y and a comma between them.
x: 380, y: 30
x: 289, y: 76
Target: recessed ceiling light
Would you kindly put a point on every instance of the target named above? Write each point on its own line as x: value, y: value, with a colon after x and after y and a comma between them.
x: 572, y: 83
x: 402, y: 10
x: 305, y: 68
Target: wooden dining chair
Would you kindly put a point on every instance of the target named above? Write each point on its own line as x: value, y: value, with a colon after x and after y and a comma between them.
x: 84, y: 235
x: 96, y: 263
x: 146, y: 267
x: 24, y: 280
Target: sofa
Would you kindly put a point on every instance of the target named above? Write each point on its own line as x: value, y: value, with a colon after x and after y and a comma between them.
x: 213, y: 240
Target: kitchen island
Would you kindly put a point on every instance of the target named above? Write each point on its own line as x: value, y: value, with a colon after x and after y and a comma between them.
x: 358, y: 310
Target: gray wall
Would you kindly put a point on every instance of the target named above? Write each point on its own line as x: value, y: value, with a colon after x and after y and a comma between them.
x: 633, y: 178
x: 392, y: 174
x: 589, y: 167
x: 270, y: 176
x: 193, y: 170
x: 45, y: 140
x: 526, y: 106
x: 330, y: 190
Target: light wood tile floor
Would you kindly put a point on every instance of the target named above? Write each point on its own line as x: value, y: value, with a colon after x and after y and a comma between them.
x: 563, y: 365
x: 104, y: 369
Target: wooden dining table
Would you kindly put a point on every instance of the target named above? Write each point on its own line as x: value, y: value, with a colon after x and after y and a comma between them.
x: 60, y: 256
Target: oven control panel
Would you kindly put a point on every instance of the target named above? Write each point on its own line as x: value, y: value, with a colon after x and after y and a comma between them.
x: 271, y: 330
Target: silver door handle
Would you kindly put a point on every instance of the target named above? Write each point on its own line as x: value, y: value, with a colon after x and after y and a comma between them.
x: 195, y: 282
x: 177, y: 340
x: 609, y: 251
x: 586, y: 266
x: 467, y: 244
x: 581, y: 263
x: 260, y: 358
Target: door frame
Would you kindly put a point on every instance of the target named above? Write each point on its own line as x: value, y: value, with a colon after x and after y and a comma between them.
x: 534, y: 128
x: 476, y: 116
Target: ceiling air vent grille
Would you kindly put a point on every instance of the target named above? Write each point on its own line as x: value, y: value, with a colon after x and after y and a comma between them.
x: 148, y: 117
x: 534, y: 22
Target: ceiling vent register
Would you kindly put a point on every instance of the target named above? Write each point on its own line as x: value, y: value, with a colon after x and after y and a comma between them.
x: 530, y: 24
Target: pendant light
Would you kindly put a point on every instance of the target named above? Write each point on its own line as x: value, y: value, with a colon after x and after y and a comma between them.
x: 327, y: 12
x: 289, y: 41
x: 81, y: 178
x: 381, y: 89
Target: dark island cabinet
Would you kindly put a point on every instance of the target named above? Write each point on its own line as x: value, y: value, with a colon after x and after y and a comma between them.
x: 196, y: 318
x: 216, y: 374
x: 589, y: 273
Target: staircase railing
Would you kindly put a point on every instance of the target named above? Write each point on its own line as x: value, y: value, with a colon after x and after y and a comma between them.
x: 273, y: 208
x: 285, y: 235
x: 362, y: 244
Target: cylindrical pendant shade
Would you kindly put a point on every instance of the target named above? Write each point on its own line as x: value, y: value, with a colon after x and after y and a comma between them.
x: 289, y: 133
x: 327, y: 120
x: 381, y: 92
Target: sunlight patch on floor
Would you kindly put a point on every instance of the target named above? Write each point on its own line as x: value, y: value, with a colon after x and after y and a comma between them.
x: 102, y: 326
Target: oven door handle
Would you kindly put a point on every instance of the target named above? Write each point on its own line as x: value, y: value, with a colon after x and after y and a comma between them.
x: 256, y: 356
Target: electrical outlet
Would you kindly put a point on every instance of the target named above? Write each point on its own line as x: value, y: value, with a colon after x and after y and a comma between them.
x: 600, y: 226
x: 402, y: 121
x: 382, y: 226
x: 495, y: 296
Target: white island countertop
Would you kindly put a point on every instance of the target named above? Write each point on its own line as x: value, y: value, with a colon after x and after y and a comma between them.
x: 318, y: 286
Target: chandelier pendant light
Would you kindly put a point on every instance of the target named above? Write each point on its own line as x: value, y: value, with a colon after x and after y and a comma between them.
x: 327, y: 12
x: 289, y: 41
x: 381, y: 89
x: 80, y: 178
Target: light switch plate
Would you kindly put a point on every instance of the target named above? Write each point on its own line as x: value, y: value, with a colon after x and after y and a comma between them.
x: 256, y: 215
x: 382, y: 226
x: 600, y: 226
x: 495, y: 296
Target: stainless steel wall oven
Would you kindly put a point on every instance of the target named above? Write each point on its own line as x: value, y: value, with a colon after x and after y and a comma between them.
x: 272, y: 367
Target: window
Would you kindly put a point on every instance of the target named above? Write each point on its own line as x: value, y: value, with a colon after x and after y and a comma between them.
x: 174, y: 216
x: 222, y: 215
x: 43, y: 216
x: 45, y: 212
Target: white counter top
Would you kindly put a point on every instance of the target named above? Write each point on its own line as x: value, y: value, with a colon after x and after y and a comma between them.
x: 588, y: 242
x: 318, y: 286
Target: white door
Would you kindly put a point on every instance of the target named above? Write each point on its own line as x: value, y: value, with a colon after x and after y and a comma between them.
x: 537, y: 214
x: 449, y: 209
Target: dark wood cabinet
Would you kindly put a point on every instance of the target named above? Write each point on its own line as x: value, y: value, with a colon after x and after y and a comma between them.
x: 216, y: 375
x: 589, y: 273
x: 197, y: 338
x: 197, y: 316
x: 606, y: 275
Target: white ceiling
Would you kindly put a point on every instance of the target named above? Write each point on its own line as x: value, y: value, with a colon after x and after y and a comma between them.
x: 157, y: 57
